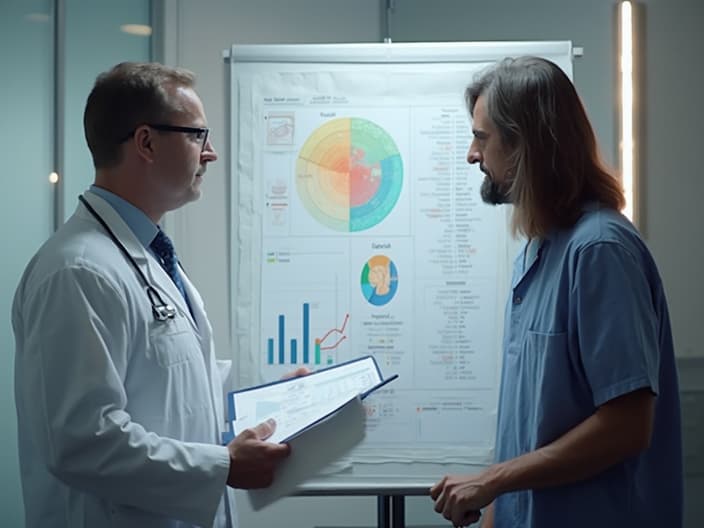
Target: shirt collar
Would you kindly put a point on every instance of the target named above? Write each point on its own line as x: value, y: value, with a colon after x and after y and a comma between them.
x: 141, y: 225
x: 587, y: 207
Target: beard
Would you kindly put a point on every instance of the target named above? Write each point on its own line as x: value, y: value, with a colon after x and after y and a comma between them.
x: 494, y: 193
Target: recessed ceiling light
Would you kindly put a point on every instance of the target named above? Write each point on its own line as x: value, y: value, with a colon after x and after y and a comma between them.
x: 137, y: 29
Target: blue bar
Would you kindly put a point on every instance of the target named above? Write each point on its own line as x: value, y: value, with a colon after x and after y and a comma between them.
x: 281, y: 339
x: 270, y: 351
x: 293, y: 351
x: 306, y: 331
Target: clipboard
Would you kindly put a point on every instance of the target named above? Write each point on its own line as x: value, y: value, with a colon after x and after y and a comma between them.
x: 328, y: 432
x: 299, y: 403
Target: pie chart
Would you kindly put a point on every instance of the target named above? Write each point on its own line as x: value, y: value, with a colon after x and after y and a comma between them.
x: 349, y: 174
x: 379, y: 280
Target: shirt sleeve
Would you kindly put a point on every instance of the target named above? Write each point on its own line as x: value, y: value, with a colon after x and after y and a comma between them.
x: 616, y: 321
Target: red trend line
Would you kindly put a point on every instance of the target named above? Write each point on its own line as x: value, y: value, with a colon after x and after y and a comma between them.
x: 338, y: 330
x: 335, y: 345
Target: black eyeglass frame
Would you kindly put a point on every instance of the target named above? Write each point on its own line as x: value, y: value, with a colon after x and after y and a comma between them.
x: 175, y: 128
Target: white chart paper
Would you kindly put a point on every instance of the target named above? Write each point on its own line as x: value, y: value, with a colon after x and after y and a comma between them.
x: 297, y: 403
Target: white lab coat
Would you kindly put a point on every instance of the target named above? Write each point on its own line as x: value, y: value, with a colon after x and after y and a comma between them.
x: 119, y: 415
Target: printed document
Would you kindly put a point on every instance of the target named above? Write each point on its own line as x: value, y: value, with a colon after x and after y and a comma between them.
x: 299, y: 403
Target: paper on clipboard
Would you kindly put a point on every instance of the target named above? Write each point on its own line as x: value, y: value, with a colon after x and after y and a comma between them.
x: 298, y: 403
x: 320, y: 416
x: 312, y: 450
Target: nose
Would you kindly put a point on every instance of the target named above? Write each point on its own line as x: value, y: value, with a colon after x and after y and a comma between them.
x: 208, y: 154
x: 473, y: 154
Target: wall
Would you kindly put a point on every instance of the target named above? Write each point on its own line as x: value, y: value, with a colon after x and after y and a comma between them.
x: 26, y: 204
x: 88, y: 22
x: 673, y: 186
x: 673, y: 183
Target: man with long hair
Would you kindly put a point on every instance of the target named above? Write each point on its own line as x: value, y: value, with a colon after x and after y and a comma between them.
x: 588, y: 429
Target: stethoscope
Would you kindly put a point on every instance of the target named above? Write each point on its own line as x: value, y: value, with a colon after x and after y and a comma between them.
x: 162, y: 311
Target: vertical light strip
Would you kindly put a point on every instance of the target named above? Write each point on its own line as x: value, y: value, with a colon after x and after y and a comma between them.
x: 627, y: 140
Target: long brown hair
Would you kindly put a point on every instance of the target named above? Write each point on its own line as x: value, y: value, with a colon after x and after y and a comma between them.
x: 556, y: 161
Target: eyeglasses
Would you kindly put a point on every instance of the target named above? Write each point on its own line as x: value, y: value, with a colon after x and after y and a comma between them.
x: 200, y: 133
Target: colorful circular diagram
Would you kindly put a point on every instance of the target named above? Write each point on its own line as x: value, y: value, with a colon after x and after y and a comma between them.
x: 349, y: 174
x: 379, y: 280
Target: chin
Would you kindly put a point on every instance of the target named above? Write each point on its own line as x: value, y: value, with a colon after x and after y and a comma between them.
x: 493, y: 193
x: 195, y: 188
x: 191, y: 195
x: 195, y: 195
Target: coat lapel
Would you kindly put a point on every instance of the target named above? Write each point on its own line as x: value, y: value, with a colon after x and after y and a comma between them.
x: 156, y: 275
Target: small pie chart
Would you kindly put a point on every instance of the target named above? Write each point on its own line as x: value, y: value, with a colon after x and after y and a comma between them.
x: 349, y: 174
x: 379, y: 280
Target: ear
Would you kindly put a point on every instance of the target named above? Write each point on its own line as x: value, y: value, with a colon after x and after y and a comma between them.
x: 144, y: 143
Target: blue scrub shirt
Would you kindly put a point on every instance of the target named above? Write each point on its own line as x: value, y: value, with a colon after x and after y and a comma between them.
x: 586, y: 322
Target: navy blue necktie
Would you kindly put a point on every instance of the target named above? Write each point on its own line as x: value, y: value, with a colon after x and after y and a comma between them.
x: 164, y: 249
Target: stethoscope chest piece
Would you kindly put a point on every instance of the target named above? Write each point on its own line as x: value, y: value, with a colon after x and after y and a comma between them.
x: 162, y: 311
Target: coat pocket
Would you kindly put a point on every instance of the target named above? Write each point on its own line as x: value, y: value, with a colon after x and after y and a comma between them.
x: 172, y: 342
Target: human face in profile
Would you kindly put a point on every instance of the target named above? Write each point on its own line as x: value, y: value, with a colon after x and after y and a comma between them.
x: 493, y: 156
x: 183, y: 156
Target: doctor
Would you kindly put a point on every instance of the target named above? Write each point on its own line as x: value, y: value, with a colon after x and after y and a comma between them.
x: 118, y: 392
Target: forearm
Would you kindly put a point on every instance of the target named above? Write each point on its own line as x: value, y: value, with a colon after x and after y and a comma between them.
x: 488, y: 517
x: 619, y: 429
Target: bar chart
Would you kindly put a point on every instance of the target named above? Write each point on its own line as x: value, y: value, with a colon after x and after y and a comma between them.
x: 298, y: 345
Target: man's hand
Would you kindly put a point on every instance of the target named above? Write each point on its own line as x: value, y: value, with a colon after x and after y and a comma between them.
x: 621, y: 428
x: 460, y: 497
x: 252, y: 460
x: 300, y: 371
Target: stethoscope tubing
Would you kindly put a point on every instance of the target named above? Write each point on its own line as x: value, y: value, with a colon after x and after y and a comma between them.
x: 161, y: 310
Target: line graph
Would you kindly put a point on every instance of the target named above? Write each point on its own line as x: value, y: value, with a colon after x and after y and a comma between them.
x: 330, y: 341
x: 340, y: 331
